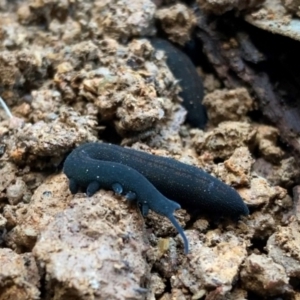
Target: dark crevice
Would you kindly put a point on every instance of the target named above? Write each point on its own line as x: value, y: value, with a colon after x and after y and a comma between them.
x: 258, y: 244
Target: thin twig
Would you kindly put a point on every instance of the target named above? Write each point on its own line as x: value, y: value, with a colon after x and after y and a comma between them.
x: 5, y: 107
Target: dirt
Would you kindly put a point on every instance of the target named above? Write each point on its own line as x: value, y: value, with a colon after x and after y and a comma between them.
x: 79, y: 71
x: 277, y: 16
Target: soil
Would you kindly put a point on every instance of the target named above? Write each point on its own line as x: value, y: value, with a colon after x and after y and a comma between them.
x: 80, y: 71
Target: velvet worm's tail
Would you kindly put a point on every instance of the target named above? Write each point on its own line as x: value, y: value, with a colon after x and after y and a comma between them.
x: 181, y: 232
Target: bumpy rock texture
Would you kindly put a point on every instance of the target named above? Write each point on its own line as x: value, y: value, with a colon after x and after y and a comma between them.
x: 227, y: 105
x: 101, y: 252
x: 78, y: 71
x: 221, y: 6
x: 19, y: 277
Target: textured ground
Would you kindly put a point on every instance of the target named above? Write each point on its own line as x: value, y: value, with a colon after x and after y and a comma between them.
x: 78, y: 71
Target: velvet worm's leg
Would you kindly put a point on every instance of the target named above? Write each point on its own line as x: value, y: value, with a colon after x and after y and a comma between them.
x: 73, y: 186
x: 92, y: 188
x: 130, y: 196
x: 144, y: 209
x: 117, y: 188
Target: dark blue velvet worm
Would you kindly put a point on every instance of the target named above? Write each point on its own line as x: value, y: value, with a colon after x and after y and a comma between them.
x: 190, y: 82
x: 151, y: 181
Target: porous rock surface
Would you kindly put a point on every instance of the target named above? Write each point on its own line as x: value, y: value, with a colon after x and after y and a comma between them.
x: 101, y: 251
x: 78, y: 71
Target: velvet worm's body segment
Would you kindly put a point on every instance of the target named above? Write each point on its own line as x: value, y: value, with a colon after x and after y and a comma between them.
x: 85, y: 169
x: 194, y: 189
x: 190, y: 82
